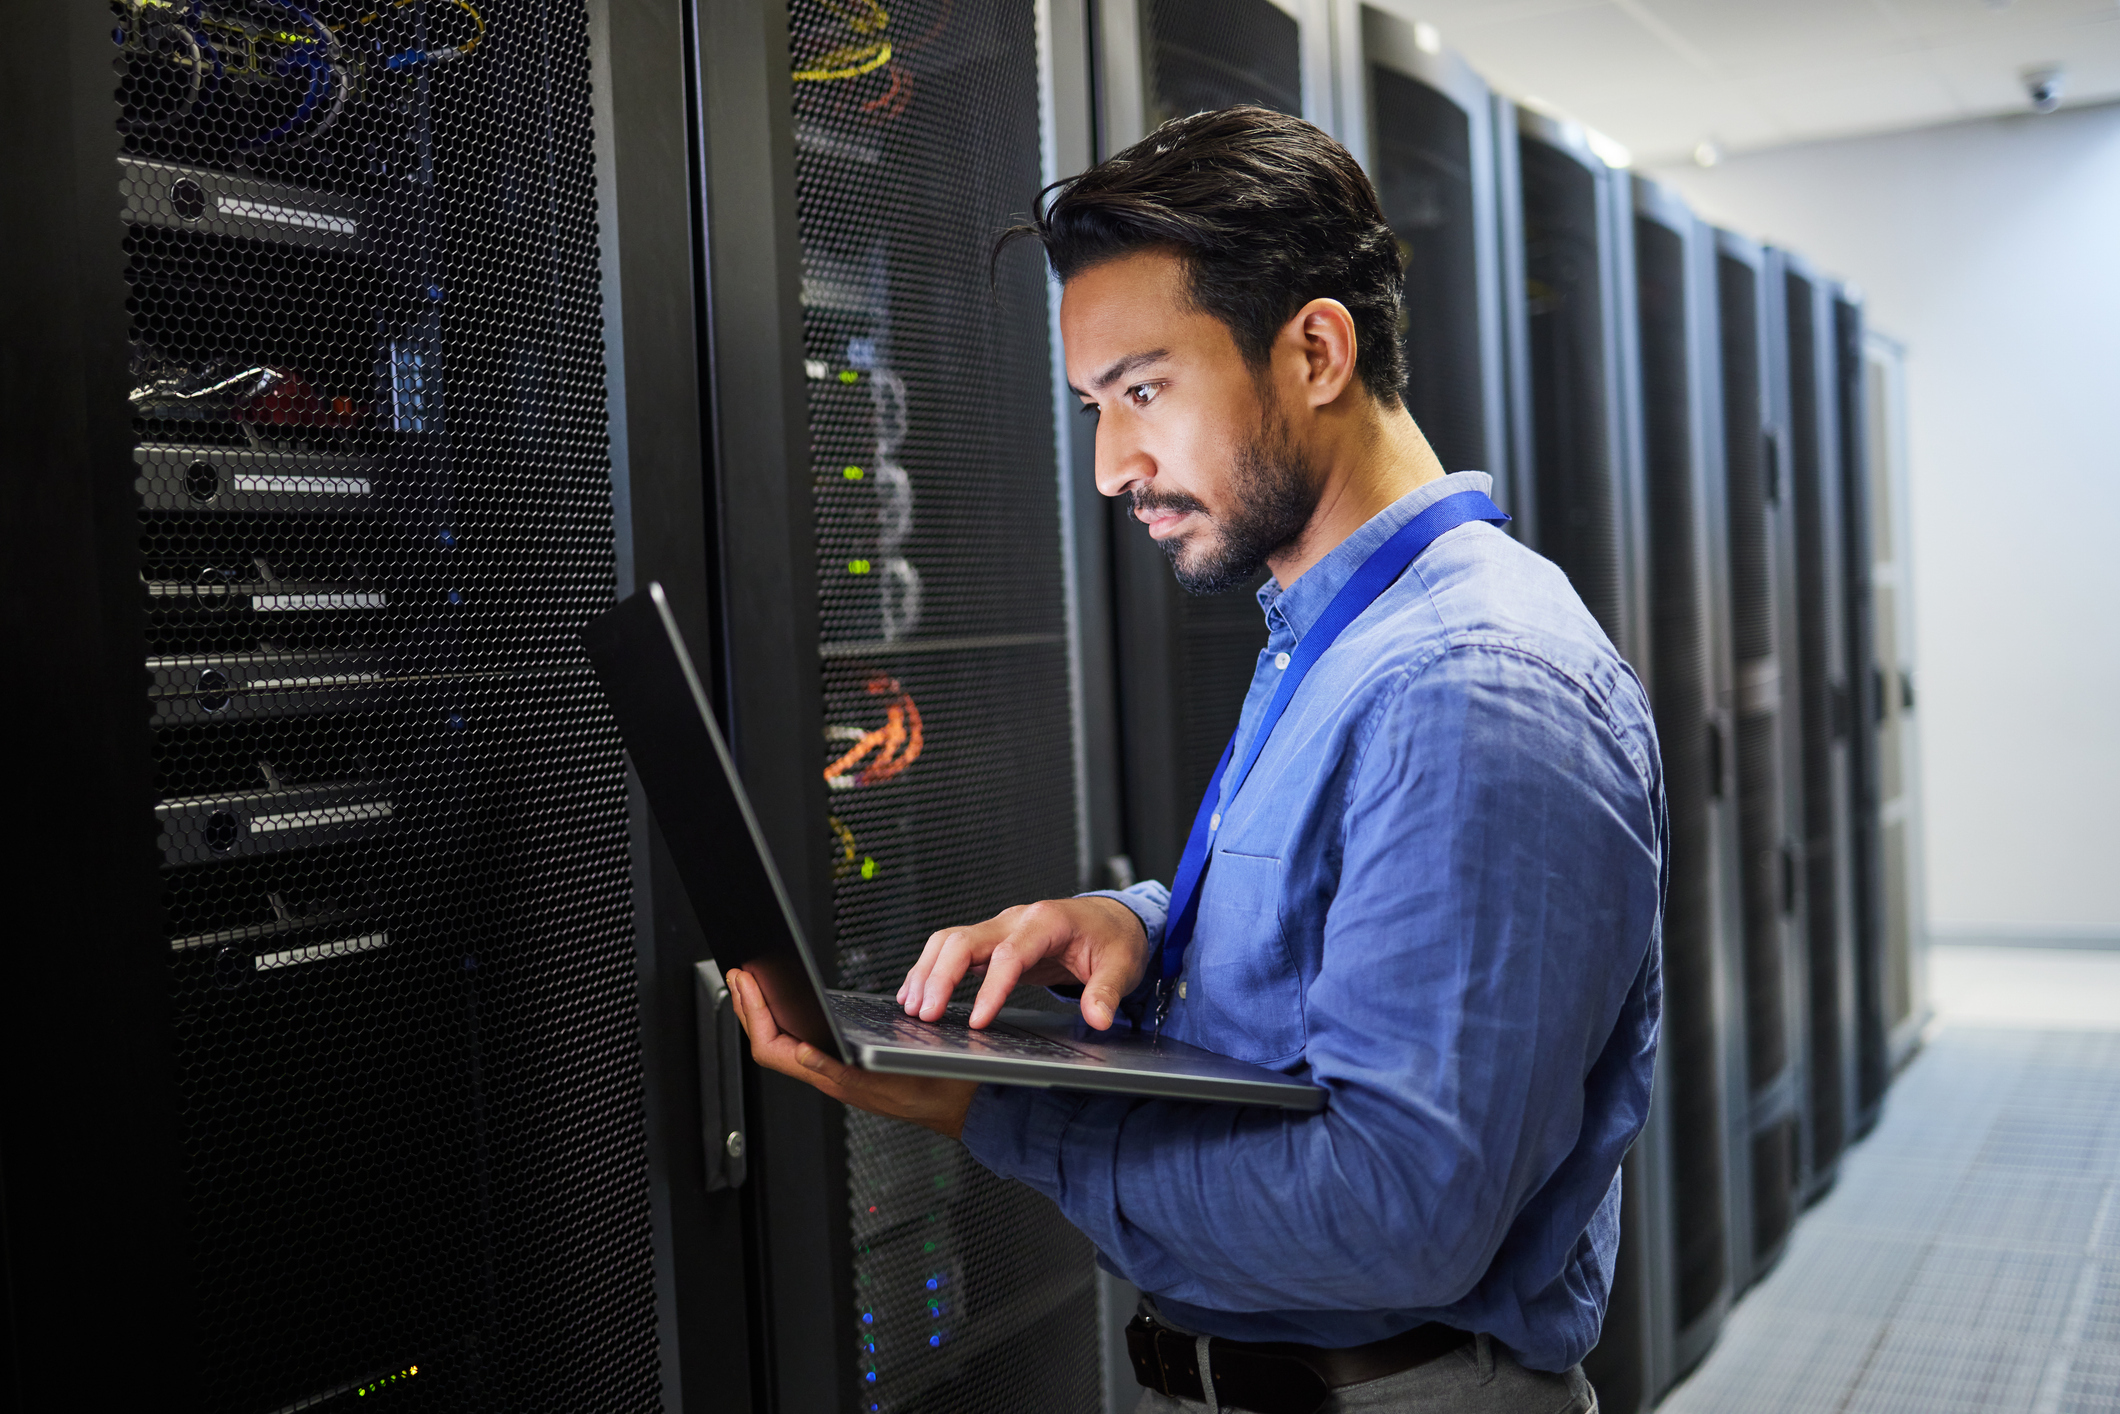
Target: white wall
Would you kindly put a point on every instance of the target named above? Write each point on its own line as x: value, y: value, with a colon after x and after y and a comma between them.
x: 1992, y: 249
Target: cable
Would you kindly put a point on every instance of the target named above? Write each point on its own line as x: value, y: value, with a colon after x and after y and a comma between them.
x: 425, y: 56
x: 896, y: 744
x: 851, y: 61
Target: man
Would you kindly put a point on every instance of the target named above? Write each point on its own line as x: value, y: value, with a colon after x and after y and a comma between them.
x: 1437, y: 892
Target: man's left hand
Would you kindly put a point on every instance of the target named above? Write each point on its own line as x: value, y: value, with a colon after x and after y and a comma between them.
x: 937, y: 1104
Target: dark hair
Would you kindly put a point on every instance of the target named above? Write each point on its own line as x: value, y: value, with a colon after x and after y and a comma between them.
x: 1267, y: 211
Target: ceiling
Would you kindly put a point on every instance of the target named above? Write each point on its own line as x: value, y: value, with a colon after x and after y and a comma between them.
x: 1662, y: 77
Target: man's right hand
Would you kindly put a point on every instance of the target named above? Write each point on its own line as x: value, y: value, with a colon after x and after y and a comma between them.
x: 1098, y: 942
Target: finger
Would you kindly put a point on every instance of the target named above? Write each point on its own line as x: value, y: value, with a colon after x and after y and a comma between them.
x: 1002, y: 971
x: 942, y: 979
x: 1110, y: 979
x: 915, y: 983
x: 738, y: 985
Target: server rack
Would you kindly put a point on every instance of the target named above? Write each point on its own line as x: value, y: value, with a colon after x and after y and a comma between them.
x: 899, y: 652
x: 1692, y: 692
x: 306, y: 402
x: 1421, y: 122
x: 1578, y: 499
x: 1575, y: 469
x: 1905, y: 921
x: 1768, y: 1161
x: 1866, y: 907
x: 1810, y: 415
x: 1184, y: 661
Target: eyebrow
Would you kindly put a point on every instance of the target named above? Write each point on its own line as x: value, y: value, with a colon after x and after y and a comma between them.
x: 1131, y: 363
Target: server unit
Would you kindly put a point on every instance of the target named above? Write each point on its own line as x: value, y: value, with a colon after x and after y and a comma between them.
x: 897, y: 638
x: 330, y: 939
x: 1767, y: 1161
x: 1692, y: 690
x: 1900, y: 883
x: 1866, y: 907
x: 1810, y: 413
x: 1578, y: 500
x: 1422, y: 124
x: 1184, y: 661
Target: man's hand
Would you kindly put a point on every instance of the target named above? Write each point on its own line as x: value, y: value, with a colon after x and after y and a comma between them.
x: 1098, y: 942
x: 924, y: 1100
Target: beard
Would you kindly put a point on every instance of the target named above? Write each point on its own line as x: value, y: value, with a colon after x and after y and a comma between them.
x: 1275, y: 492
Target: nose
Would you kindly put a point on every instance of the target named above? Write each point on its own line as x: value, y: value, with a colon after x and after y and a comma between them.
x: 1122, y: 464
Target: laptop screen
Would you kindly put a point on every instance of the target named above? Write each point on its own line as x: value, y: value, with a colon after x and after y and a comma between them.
x: 692, y: 787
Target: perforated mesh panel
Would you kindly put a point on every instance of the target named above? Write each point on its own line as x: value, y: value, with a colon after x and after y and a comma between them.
x: 950, y: 743
x: 1573, y: 475
x: 374, y: 506
x: 1759, y: 767
x: 1203, y: 55
x: 1207, y: 54
x: 1774, y: 1162
x: 1866, y: 868
x: 1423, y: 172
x: 1682, y: 691
x: 1822, y: 683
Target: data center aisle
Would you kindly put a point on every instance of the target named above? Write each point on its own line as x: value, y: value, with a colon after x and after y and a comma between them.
x: 1969, y: 1258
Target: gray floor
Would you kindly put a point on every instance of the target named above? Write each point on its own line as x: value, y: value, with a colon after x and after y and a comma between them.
x: 1969, y: 1257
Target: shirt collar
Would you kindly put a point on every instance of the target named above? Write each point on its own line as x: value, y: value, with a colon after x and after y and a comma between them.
x: 1294, y: 609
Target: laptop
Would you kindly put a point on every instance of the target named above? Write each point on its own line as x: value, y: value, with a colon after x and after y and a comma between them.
x: 730, y: 878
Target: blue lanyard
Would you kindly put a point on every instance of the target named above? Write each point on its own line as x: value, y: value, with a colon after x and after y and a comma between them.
x: 1375, y: 574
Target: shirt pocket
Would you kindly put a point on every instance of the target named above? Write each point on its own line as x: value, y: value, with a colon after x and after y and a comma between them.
x: 1245, y: 994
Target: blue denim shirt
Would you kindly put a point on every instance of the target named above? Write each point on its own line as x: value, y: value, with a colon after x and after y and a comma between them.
x: 1438, y: 895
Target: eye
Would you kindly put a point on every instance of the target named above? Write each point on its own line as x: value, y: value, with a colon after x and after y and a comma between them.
x: 1088, y: 409
x: 1142, y: 394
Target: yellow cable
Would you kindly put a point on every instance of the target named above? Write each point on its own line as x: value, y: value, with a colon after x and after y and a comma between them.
x: 477, y: 20
x: 849, y: 61
x: 866, y: 59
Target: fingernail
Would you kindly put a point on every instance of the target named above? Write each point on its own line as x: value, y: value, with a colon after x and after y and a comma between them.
x: 810, y: 1058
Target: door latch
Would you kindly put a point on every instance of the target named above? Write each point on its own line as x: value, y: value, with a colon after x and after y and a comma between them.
x: 720, y: 1078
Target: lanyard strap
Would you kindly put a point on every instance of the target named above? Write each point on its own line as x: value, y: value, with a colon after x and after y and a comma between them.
x: 1375, y: 574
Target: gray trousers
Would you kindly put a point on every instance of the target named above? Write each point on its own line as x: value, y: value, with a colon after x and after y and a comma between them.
x: 1474, y: 1379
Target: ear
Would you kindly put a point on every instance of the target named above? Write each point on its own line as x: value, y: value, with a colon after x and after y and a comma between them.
x: 1319, y: 347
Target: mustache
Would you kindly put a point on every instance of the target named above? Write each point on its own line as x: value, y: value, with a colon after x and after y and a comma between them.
x: 1149, y: 500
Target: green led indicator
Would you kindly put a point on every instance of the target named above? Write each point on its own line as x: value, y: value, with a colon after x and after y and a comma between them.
x: 868, y: 867
x: 852, y: 473
x: 848, y: 375
x: 857, y: 566
x: 927, y: 1247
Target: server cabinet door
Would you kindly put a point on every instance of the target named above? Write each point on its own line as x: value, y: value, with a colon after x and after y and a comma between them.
x: 899, y: 666
x: 350, y: 278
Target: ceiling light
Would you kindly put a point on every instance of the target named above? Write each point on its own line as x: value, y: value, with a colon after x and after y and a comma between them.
x: 1427, y: 38
x: 1610, y: 152
x: 1708, y: 153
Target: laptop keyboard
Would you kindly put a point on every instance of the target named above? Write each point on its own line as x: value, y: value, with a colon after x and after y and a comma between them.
x: 953, y: 1032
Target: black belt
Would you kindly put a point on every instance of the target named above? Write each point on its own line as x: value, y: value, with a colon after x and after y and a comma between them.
x: 1275, y: 1377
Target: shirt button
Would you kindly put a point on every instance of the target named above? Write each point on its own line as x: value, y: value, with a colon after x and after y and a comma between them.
x: 1181, y: 986
x: 1214, y: 821
x: 1280, y: 660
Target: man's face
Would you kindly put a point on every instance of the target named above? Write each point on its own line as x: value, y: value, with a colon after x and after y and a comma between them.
x: 1185, y: 426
